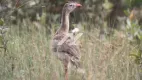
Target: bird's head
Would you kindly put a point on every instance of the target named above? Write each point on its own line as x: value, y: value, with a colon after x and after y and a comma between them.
x: 71, y: 6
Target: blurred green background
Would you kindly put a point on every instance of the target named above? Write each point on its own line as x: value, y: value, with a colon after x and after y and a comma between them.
x: 111, y: 45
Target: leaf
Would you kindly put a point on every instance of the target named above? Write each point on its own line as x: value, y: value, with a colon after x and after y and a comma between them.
x: 137, y: 55
x: 127, y: 12
x: 1, y: 22
x: 136, y: 2
x: 107, y: 4
x: 1, y: 38
x: 134, y: 53
x: 140, y: 37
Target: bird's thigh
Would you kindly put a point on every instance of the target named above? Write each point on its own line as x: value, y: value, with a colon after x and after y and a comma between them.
x: 62, y: 56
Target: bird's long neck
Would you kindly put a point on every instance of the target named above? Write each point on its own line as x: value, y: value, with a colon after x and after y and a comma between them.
x: 64, y: 22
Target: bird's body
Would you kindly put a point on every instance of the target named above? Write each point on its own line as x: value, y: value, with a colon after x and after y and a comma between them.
x: 66, y: 49
x: 63, y: 45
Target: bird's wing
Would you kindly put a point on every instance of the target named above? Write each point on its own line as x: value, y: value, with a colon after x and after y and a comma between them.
x: 71, y: 48
x: 68, y: 46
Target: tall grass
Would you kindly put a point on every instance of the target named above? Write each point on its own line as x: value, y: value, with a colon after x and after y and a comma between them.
x: 28, y: 56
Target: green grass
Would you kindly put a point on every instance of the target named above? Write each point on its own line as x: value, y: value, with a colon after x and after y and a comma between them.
x: 28, y: 56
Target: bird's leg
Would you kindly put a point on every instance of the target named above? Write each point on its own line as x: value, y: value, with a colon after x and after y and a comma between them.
x: 66, y: 70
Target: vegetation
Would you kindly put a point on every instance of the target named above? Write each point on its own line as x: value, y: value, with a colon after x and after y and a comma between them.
x: 111, y: 45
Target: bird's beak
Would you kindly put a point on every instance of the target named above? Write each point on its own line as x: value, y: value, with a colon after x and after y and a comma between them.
x: 78, y: 5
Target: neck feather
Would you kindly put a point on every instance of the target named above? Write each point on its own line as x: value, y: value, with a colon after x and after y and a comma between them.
x: 64, y: 22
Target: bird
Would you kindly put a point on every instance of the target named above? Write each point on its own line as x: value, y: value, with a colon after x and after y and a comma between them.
x: 136, y: 14
x: 64, y: 46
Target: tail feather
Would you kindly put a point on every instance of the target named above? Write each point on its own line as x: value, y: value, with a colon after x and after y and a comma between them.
x: 75, y: 62
x: 78, y: 67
